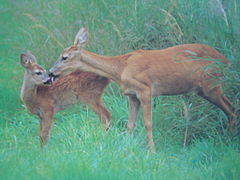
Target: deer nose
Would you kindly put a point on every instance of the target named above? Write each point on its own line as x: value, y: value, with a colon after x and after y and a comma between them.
x: 47, y: 79
x: 52, y: 76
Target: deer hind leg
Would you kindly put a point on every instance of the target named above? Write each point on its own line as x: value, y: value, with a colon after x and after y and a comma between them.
x: 215, y: 96
x: 134, y: 104
x: 45, y: 127
x: 102, y: 112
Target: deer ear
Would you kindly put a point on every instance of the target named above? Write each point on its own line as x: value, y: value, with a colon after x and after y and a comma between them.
x: 81, y: 38
x: 27, y: 59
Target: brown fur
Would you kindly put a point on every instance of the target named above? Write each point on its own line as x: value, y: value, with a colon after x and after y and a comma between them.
x: 45, y: 100
x: 146, y: 73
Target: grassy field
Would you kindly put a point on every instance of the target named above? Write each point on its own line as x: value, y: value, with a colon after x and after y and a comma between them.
x: 193, y: 147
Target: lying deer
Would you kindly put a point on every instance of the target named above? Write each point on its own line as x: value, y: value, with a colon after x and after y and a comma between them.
x: 142, y: 74
x: 45, y: 100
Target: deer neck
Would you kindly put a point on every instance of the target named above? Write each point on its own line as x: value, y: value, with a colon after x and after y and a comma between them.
x: 107, y: 66
x: 28, y: 90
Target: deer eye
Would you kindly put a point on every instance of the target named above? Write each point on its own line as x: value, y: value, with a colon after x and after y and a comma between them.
x: 64, y: 58
x: 38, y: 73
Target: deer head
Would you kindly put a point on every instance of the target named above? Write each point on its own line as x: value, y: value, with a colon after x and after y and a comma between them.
x: 70, y: 60
x: 34, y: 72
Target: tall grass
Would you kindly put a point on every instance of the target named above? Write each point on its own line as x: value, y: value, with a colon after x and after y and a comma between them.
x: 190, y: 134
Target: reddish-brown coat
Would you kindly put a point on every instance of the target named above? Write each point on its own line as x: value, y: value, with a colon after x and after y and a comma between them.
x: 142, y: 74
x: 45, y: 100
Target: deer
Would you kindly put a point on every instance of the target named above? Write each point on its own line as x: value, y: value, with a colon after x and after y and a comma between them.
x: 142, y: 74
x: 45, y: 100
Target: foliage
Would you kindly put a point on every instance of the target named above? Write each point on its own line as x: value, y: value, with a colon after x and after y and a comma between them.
x: 190, y: 134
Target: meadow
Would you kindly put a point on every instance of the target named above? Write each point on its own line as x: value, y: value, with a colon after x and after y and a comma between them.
x: 191, y: 136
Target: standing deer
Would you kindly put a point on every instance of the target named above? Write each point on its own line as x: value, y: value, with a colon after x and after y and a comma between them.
x: 45, y: 100
x: 142, y: 74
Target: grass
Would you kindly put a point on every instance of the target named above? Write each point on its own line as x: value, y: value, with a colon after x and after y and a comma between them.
x: 192, y: 146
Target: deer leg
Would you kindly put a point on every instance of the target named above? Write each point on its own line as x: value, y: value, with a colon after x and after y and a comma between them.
x: 134, y: 104
x: 146, y: 103
x: 102, y: 113
x: 216, y: 97
x: 45, y: 126
x: 231, y: 113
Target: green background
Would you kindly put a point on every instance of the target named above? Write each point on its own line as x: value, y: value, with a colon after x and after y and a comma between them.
x: 78, y: 147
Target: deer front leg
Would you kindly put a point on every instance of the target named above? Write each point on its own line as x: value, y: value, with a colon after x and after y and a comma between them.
x: 102, y: 112
x: 45, y: 126
x: 146, y: 103
x: 134, y: 104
